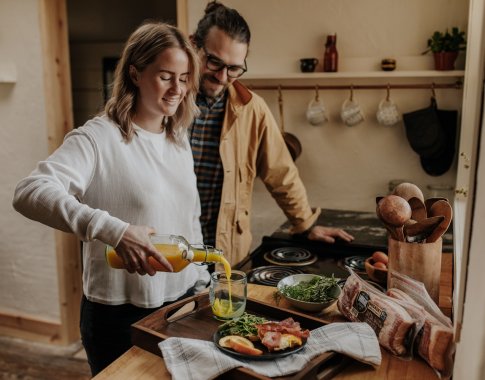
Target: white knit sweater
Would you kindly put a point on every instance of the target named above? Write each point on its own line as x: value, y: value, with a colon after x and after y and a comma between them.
x: 96, y: 184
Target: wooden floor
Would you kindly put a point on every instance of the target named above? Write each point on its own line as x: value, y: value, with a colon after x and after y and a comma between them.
x: 23, y: 360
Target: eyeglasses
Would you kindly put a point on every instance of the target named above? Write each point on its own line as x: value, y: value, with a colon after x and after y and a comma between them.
x: 216, y: 64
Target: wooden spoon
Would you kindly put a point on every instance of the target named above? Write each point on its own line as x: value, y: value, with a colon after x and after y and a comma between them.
x: 408, y: 190
x: 418, y: 209
x: 420, y: 231
x: 394, y: 212
x: 430, y: 201
x: 440, y: 208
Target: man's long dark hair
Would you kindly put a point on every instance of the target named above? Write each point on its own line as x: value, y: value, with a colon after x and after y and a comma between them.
x: 226, y: 19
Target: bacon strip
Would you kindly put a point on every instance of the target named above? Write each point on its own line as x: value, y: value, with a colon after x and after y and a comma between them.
x: 270, y: 332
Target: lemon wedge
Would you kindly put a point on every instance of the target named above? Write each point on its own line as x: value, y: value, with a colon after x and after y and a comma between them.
x: 226, y: 341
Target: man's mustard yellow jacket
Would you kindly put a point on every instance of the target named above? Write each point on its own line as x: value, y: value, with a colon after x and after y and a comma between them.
x: 252, y: 145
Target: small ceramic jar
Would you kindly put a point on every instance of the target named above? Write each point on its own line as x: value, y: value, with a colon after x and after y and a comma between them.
x: 388, y: 64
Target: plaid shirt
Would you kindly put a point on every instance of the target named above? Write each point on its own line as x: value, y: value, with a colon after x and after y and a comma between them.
x: 205, y: 135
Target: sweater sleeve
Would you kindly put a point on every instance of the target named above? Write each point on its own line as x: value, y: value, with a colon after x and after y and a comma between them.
x: 51, y: 194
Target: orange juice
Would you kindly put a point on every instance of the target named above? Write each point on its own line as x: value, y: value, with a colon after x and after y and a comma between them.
x: 228, y: 294
x: 177, y: 257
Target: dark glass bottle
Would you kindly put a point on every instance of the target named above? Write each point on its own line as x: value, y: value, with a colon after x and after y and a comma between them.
x: 330, y: 58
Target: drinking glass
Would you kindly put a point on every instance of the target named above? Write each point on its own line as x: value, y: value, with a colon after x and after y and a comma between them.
x: 228, y: 296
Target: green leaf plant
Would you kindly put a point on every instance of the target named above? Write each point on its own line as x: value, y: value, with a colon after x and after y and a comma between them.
x: 454, y: 41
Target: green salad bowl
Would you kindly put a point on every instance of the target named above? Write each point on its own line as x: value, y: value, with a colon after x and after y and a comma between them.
x: 313, y: 307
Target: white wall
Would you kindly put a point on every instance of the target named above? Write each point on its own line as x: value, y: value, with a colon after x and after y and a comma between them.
x: 28, y: 273
x: 346, y: 167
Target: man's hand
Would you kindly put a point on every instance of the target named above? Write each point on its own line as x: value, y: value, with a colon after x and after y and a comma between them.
x: 329, y: 234
x: 135, y: 248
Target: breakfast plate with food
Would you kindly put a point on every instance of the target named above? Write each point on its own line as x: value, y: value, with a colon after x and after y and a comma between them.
x: 256, y: 338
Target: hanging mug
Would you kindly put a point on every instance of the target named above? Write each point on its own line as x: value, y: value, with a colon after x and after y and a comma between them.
x: 387, y: 113
x: 351, y: 112
x: 316, y: 112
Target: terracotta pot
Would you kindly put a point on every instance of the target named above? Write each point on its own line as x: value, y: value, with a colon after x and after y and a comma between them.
x: 445, y: 60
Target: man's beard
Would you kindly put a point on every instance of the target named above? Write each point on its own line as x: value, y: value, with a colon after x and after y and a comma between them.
x: 213, y: 80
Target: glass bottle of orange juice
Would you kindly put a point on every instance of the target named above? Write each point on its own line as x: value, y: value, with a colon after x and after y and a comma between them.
x: 177, y: 251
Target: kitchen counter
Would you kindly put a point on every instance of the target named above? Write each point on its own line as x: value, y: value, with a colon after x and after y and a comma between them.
x: 137, y: 363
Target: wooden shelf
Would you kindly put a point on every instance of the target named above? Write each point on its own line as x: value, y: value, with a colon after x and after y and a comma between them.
x: 355, y: 74
x: 385, y: 79
x: 8, y: 72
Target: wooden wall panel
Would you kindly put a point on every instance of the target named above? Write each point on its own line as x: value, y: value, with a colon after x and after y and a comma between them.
x: 58, y: 103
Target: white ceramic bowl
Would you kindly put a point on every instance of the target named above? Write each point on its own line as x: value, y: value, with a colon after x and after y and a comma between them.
x: 313, y: 307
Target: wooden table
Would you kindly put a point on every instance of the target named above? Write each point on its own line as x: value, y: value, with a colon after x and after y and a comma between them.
x: 137, y: 363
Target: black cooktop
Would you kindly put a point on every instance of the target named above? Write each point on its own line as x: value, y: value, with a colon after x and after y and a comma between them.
x: 367, y: 229
x: 319, y: 257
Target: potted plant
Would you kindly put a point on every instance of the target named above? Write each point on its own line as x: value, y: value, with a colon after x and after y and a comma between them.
x: 445, y: 47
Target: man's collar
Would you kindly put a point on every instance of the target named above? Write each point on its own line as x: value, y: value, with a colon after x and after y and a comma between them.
x: 241, y: 91
x: 237, y: 91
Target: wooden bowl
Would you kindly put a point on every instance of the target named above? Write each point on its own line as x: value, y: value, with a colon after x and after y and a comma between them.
x: 376, y: 274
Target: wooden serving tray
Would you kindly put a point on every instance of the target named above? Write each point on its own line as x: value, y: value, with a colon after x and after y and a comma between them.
x: 181, y: 320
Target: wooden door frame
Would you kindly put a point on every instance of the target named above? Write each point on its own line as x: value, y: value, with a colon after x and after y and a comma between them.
x: 59, y: 121
x: 468, y: 157
x: 183, y: 16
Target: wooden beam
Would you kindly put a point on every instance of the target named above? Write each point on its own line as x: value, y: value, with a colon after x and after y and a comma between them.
x: 58, y: 106
x: 182, y: 16
x: 26, y: 327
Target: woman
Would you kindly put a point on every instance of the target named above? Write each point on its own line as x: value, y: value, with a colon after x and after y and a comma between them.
x: 121, y: 177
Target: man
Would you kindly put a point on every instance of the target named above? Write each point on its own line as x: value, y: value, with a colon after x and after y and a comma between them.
x: 235, y: 138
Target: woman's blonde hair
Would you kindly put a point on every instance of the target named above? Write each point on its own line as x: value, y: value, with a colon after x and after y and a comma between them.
x: 141, y: 49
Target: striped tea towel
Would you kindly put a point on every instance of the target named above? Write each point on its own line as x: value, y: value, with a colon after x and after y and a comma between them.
x: 194, y: 359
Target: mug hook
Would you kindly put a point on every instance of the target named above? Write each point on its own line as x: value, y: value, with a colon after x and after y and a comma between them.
x: 280, y: 103
x: 433, y: 93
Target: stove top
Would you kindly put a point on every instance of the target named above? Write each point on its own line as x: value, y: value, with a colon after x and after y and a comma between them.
x: 277, y: 258
x: 282, y: 254
x: 356, y: 263
x: 367, y: 229
x: 270, y: 275
x: 290, y: 256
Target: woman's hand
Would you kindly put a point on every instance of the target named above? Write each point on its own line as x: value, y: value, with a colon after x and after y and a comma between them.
x: 135, y: 247
x: 328, y: 234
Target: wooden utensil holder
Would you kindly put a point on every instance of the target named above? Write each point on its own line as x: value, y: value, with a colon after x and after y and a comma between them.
x: 420, y: 261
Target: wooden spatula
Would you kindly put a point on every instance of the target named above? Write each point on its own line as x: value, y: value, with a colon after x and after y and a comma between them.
x: 428, y: 203
x: 418, y: 209
x: 416, y: 232
x: 440, y: 208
